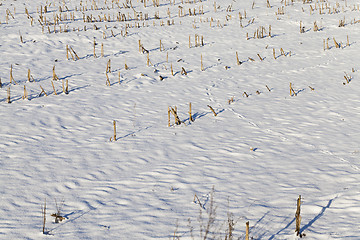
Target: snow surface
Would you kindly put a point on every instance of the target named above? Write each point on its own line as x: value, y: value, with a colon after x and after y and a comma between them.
x: 259, y: 153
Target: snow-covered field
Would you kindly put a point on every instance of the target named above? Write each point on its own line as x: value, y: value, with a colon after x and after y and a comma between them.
x: 261, y: 151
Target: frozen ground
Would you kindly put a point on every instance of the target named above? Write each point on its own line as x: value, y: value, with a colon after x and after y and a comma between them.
x: 259, y: 153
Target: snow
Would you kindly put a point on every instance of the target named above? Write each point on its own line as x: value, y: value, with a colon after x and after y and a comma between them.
x: 259, y: 153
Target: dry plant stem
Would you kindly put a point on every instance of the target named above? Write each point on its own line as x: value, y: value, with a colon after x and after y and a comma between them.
x: 55, y: 77
x: 247, y: 231
x: 52, y: 83
x: 198, y: 200
x: 114, y: 130
x: 107, y: 80
x: 63, y: 87
x: 8, y: 100
x: 67, y: 87
x: 102, y: 50
x: 29, y: 75
x: 25, y: 93
x: 21, y: 38
x: 237, y: 59
x: 148, y: 59
x: 43, y: 211
x: 119, y: 78
x: 174, y: 112
x: 268, y: 88
x: 274, y: 53
x: 94, y: 48
x: 202, y: 66
x: 42, y: 91
x: 190, y: 115
x: 183, y: 71
x: 211, y: 214
x: 215, y: 114
x: 108, y: 66
x: 126, y: 66
x: 292, y: 92
x: 168, y: 116
x: 11, y: 76
x: 298, y: 217
x: 67, y: 52
x: 0, y: 83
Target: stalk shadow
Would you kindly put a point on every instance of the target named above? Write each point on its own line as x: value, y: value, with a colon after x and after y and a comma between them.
x: 309, y: 224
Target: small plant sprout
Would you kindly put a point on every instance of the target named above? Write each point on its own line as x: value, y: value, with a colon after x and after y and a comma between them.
x: 215, y: 114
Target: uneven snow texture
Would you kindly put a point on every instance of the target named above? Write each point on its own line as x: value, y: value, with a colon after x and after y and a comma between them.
x: 259, y: 153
